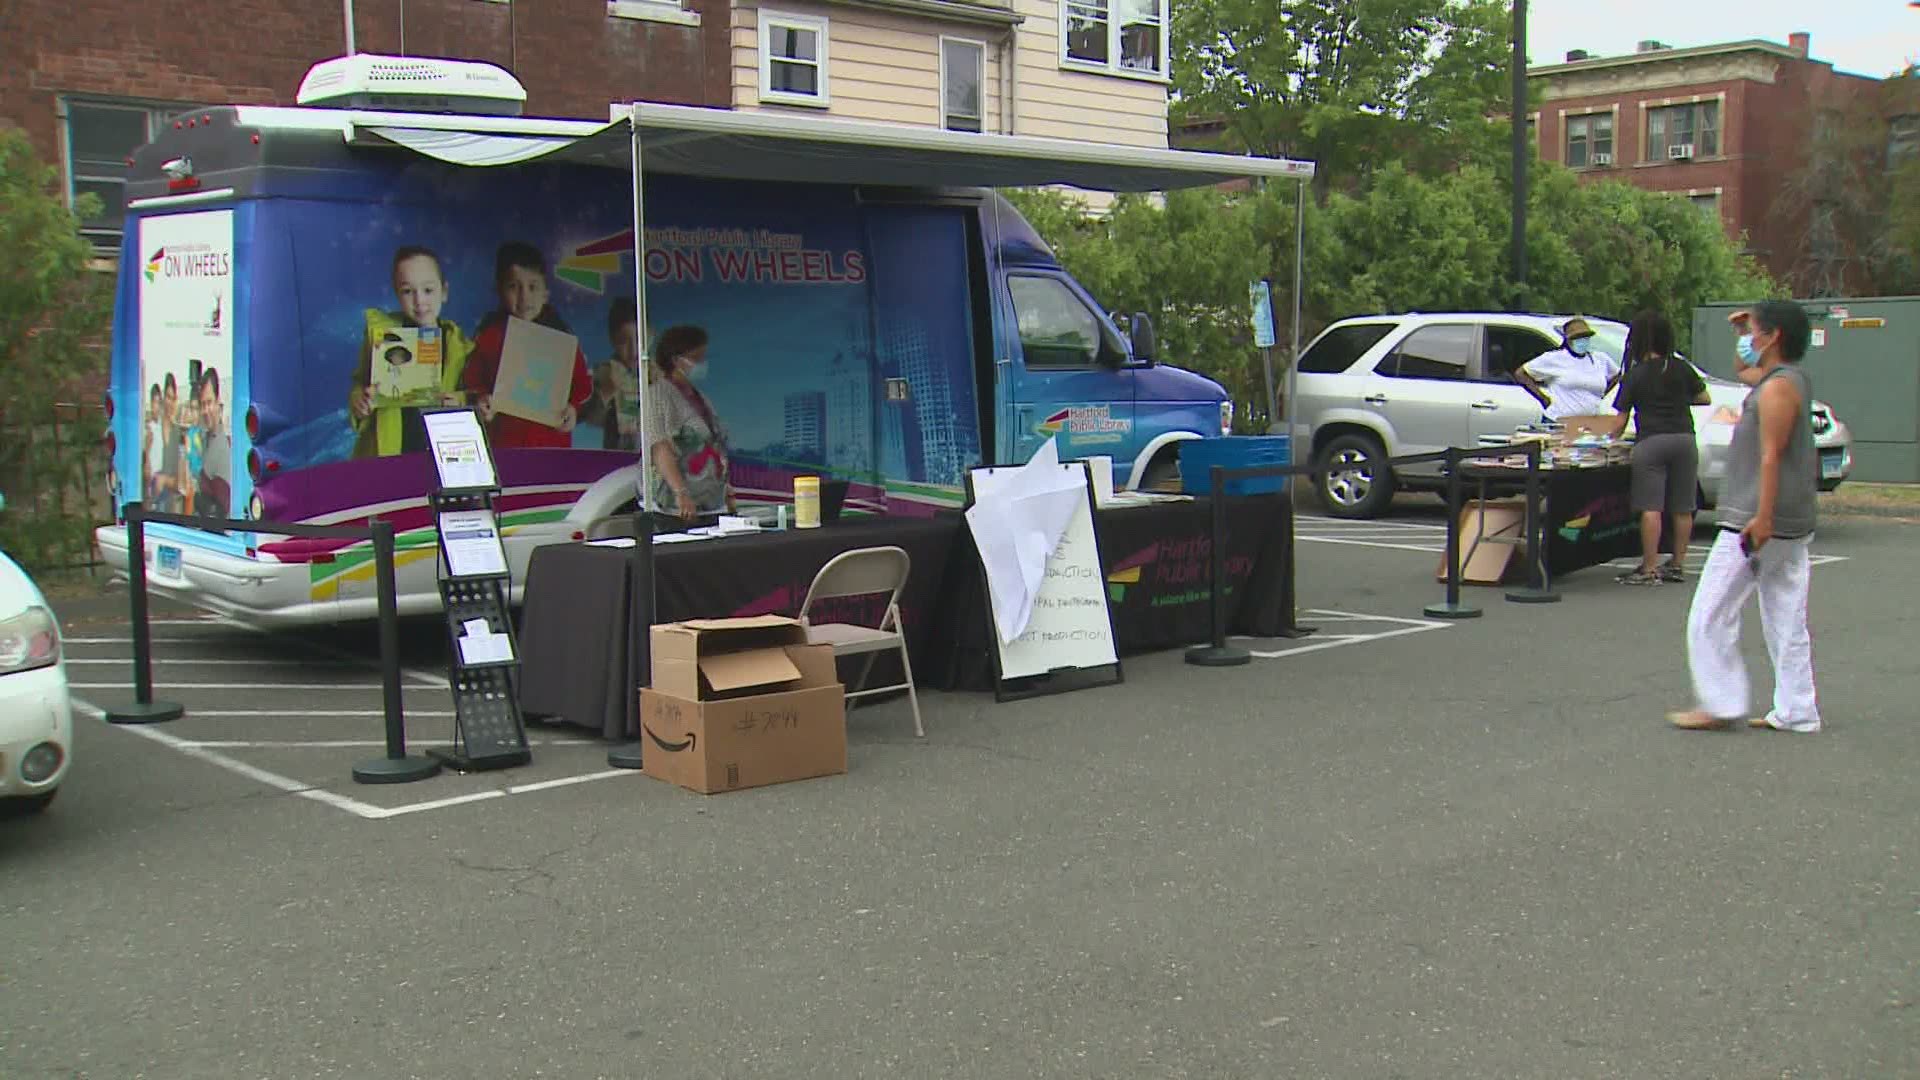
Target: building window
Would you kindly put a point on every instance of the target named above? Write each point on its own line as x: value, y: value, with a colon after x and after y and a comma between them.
x: 1903, y: 138
x: 1708, y: 204
x: 1126, y: 37
x: 963, y: 78
x: 100, y: 136
x: 793, y: 59
x: 1590, y: 141
x: 1679, y: 132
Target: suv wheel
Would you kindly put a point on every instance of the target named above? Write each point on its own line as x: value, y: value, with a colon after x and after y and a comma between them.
x: 1354, y: 478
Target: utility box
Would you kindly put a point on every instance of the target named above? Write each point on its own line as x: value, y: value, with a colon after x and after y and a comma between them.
x: 1864, y: 361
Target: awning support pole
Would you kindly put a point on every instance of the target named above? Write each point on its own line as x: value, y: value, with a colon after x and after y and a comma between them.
x: 627, y: 755
x: 1293, y: 356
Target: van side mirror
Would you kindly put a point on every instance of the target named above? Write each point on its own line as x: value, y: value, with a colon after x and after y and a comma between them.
x: 1141, y: 334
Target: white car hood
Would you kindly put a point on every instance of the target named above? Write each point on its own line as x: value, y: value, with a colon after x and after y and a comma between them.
x: 17, y: 591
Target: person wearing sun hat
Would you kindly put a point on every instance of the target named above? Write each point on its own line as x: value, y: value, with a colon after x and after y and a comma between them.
x: 1573, y: 380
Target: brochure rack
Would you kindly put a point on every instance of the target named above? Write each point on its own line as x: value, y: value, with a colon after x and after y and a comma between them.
x: 489, y: 730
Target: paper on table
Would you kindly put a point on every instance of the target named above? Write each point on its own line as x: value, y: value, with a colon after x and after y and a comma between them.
x: 614, y: 542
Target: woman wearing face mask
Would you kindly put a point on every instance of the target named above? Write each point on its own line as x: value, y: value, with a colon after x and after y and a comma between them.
x: 686, y: 443
x: 1573, y: 380
x: 1769, y: 505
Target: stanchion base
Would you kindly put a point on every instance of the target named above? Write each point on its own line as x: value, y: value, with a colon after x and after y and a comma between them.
x: 153, y: 712
x: 1452, y: 611
x: 624, y: 756
x: 1218, y: 656
x: 1531, y: 595
x: 395, y: 770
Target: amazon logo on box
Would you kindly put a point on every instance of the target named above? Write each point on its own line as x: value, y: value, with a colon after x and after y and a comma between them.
x: 740, y: 703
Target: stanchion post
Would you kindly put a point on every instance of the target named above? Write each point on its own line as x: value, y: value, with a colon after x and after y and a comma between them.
x: 396, y: 767
x: 1453, y: 608
x: 1538, y: 591
x: 144, y: 709
x: 1219, y: 653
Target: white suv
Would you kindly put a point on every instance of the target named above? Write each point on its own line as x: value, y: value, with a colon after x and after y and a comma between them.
x: 1381, y: 386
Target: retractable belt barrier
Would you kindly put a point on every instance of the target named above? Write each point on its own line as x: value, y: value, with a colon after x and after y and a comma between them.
x: 396, y: 766
x: 1218, y: 653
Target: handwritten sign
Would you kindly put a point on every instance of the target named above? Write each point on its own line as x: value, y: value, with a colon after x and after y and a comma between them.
x: 1070, y: 626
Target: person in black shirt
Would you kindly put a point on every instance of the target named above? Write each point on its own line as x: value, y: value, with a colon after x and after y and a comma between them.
x: 1659, y: 392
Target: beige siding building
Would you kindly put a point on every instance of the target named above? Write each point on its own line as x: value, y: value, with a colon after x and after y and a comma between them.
x: 1091, y: 70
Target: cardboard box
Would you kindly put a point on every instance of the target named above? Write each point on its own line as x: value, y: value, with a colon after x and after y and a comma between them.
x: 740, y: 703
x: 1488, y: 532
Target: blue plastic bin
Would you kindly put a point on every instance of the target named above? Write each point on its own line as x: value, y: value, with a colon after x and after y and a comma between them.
x: 1199, y: 456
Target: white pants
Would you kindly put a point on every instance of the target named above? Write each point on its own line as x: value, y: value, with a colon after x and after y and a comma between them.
x: 1780, y: 574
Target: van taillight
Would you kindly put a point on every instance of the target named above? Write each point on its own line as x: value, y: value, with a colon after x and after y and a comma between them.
x: 253, y: 422
x: 110, y: 443
x: 253, y: 465
x: 106, y: 406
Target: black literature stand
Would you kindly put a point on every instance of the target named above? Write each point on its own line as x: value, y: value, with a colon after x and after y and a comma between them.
x: 488, y: 729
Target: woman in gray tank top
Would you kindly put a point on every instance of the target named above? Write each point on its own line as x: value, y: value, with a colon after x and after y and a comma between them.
x: 1767, y: 514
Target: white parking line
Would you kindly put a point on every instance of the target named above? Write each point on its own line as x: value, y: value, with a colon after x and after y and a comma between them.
x: 368, y: 811
x: 1431, y: 548
x: 222, y: 662
x: 1402, y: 628
x: 176, y: 685
x: 351, y: 744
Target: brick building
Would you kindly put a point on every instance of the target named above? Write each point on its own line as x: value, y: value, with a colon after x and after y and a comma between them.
x: 1722, y: 125
x: 92, y: 79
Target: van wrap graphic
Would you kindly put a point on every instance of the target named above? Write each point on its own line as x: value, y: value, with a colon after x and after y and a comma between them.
x: 809, y: 302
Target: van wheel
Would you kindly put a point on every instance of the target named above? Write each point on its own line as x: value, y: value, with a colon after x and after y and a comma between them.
x: 1353, y: 477
x: 1162, y: 475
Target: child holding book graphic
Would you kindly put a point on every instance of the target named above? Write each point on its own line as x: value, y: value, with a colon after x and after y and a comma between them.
x: 410, y: 358
x: 520, y: 282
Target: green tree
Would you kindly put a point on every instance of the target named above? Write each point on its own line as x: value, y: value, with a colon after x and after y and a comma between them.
x: 1348, y: 84
x: 1184, y: 261
x: 53, y: 313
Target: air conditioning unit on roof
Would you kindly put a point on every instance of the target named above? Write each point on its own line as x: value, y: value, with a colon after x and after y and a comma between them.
x: 1680, y: 152
x: 412, y: 84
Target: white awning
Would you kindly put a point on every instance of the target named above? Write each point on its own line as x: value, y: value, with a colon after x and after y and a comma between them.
x: 737, y: 145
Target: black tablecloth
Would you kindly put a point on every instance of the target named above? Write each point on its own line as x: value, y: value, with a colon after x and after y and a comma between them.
x: 1588, y: 517
x: 580, y: 627
x: 1158, y: 561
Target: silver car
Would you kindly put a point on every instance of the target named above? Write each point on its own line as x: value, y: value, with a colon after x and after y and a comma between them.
x: 1376, y: 387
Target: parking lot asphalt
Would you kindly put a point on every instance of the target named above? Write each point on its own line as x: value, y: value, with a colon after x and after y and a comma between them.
x: 1395, y: 848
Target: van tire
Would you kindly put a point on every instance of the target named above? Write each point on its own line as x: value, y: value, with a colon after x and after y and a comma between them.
x: 1162, y: 475
x: 1353, y: 477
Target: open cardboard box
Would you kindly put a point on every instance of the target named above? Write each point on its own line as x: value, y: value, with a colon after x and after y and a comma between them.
x: 740, y: 703
x: 1487, y: 524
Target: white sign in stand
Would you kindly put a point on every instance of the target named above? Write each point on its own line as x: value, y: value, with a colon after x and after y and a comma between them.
x: 460, y: 454
x: 1048, y: 604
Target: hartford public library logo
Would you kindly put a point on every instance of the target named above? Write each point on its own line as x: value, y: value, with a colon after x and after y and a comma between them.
x: 187, y: 262
x: 1182, y: 567
x: 1085, y: 423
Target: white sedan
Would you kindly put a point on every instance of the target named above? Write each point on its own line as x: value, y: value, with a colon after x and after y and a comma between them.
x: 36, y: 714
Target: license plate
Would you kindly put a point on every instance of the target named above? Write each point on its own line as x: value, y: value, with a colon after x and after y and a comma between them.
x: 1830, y: 465
x: 166, y: 562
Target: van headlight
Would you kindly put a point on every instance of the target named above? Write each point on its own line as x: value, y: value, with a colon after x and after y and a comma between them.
x: 1226, y: 418
x: 29, y: 640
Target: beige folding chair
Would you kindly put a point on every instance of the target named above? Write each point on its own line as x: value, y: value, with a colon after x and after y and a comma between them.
x: 865, y: 572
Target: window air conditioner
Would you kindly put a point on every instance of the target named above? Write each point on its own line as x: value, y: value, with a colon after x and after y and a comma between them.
x: 1680, y: 152
x: 1602, y: 159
